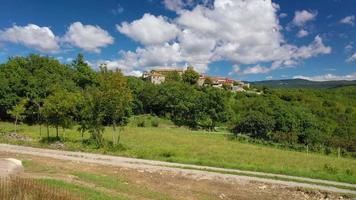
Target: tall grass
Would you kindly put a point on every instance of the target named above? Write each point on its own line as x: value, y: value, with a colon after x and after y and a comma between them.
x: 16, y: 188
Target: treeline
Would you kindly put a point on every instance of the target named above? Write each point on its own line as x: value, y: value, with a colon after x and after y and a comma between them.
x: 41, y: 90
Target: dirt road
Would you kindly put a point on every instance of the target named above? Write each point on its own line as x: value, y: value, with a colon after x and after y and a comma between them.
x: 191, y: 171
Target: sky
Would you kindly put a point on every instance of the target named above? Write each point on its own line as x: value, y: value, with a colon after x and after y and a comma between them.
x: 248, y: 40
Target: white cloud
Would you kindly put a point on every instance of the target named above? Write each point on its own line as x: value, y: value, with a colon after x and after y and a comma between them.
x: 135, y: 73
x: 88, y: 37
x: 283, y: 15
x: 255, y: 70
x: 149, y: 30
x: 32, y: 36
x: 315, y: 48
x: 328, y: 77
x: 351, y: 58
x: 176, y: 5
x: 302, y: 17
x: 302, y: 33
x: 235, y: 70
x: 239, y: 31
x: 269, y: 77
x: 350, y: 20
x: 349, y: 47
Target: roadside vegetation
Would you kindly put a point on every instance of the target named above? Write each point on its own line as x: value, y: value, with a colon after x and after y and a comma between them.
x: 303, y: 132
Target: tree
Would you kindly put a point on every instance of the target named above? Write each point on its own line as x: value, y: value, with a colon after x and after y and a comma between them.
x: 84, y: 75
x: 92, y: 114
x: 34, y: 77
x: 256, y: 124
x: 173, y: 76
x: 190, y: 76
x: 136, y: 86
x: 58, y: 109
x: 17, y: 112
x: 213, y: 107
x: 116, y: 97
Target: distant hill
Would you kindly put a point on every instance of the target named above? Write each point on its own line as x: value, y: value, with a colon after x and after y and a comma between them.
x: 302, y: 83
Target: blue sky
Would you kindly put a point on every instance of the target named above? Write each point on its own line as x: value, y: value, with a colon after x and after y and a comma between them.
x: 249, y: 40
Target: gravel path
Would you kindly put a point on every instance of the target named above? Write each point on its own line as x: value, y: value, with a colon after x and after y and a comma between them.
x: 195, y: 171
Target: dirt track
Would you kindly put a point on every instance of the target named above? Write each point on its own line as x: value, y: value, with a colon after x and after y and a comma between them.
x: 195, y: 173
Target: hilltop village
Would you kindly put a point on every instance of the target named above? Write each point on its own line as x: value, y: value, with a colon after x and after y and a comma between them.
x: 159, y: 76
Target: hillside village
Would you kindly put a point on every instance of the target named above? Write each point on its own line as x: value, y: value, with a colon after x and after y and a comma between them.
x: 159, y: 76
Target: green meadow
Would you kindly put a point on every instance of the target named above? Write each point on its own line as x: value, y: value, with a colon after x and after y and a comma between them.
x: 178, y: 144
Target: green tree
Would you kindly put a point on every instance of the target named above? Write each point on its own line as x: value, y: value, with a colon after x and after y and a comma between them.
x: 17, y: 112
x: 255, y: 124
x: 84, y: 75
x: 59, y: 108
x: 34, y: 77
x: 190, y: 76
x: 173, y: 76
x: 136, y: 86
x: 116, y: 97
x: 92, y: 114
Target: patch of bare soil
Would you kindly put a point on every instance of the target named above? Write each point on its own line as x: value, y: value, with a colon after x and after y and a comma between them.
x: 173, y: 185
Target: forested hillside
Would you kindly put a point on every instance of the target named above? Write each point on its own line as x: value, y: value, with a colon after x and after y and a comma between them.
x: 302, y: 83
x: 41, y: 90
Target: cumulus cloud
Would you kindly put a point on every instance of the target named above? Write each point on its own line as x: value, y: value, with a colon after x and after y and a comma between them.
x: 177, y: 4
x: 255, y: 70
x: 32, y: 36
x: 149, y: 30
x: 88, y: 37
x: 302, y: 33
x: 350, y: 20
x: 351, y: 58
x: 269, y: 77
x: 328, y: 77
x: 302, y: 17
x: 239, y: 31
x: 315, y: 48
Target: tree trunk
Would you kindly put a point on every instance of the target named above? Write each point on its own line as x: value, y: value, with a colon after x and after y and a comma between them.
x: 64, y: 134
x: 113, y: 134
x: 47, y: 131
x: 81, y: 132
x: 16, y: 125
x: 40, y: 130
x: 57, y: 132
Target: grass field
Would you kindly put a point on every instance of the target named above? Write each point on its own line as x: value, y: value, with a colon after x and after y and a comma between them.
x: 169, y: 143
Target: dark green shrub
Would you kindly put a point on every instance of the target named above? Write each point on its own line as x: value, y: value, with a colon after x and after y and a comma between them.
x: 155, y: 123
x: 141, y: 123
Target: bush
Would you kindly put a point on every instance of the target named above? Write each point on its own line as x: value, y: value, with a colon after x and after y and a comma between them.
x: 141, y: 123
x: 330, y: 169
x: 282, y: 137
x: 155, y: 123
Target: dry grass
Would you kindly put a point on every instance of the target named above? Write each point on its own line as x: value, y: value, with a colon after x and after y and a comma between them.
x: 16, y: 188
